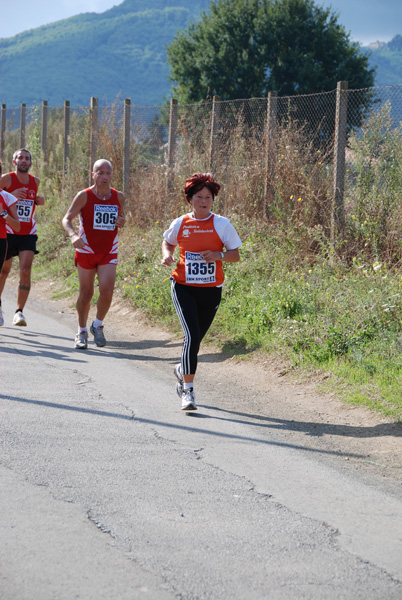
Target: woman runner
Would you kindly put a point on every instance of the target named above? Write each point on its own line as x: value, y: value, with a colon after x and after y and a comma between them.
x: 198, y: 276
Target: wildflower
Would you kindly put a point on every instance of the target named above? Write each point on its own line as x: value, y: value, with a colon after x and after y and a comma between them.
x: 377, y: 266
x: 299, y: 199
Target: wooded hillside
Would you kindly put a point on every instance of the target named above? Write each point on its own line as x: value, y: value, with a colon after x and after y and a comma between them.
x: 121, y: 52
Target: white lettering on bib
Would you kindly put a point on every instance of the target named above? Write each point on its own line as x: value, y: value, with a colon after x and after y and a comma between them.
x: 197, y: 270
x: 105, y: 216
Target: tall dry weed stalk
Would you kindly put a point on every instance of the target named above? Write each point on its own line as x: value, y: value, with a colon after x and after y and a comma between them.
x: 300, y: 206
x: 374, y: 189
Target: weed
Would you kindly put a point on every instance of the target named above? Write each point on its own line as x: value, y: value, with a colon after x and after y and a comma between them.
x: 294, y: 293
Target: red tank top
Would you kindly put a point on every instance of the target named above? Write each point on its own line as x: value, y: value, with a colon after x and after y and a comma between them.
x: 193, y: 237
x: 3, y: 206
x: 25, y: 207
x: 97, y: 224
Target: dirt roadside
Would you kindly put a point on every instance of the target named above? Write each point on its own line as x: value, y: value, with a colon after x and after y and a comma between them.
x: 259, y: 389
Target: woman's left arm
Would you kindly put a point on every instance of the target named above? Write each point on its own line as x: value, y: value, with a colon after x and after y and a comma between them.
x: 230, y: 256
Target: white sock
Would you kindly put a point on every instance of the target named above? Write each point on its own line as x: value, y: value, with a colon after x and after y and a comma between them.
x: 188, y: 386
x: 97, y: 323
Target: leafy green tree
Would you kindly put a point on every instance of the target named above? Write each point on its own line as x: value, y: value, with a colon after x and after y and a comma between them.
x: 245, y: 48
x: 311, y: 51
x: 221, y: 53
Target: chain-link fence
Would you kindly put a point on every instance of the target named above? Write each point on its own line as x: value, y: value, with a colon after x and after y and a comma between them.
x: 281, y: 144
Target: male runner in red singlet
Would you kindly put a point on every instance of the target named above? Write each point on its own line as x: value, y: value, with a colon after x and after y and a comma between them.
x: 22, y: 243
x: 101, y: 211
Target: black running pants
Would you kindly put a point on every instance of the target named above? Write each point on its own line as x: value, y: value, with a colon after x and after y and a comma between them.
x: 196, y: 308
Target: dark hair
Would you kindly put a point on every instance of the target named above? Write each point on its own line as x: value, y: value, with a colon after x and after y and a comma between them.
x: 22, y: 150
x: 196, y: 182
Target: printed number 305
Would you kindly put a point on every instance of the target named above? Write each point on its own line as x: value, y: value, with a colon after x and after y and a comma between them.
x: 105, y: 218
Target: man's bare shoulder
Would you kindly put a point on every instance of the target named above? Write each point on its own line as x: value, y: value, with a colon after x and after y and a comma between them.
x: 80, y: 199
x: 5, y: 181
x: 81, y: 196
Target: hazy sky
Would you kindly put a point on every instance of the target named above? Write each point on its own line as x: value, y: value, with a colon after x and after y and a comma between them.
x: 367, y: 20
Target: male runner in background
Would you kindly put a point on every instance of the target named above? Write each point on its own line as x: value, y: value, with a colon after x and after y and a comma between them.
x: 22, y: 243
x: 100, y: 210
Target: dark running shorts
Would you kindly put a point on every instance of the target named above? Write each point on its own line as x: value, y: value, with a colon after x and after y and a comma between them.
x: 3, y: 250
x: 18, y: 243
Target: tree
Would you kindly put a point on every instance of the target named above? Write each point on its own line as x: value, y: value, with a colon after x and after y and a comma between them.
x: 311, y: 51
x: 245, y: 48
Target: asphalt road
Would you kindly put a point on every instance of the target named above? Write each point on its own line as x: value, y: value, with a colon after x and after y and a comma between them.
x: 109, y: 491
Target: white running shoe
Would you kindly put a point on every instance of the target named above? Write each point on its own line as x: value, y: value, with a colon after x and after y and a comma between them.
x: 81, y: 340
x: 188, y: 400
x: 19, y: 319
x: 178, y: 373
x: 179, y: 376
x: 1, y: 317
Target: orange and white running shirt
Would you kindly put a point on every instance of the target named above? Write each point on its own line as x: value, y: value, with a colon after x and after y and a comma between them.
x: 6, y: 200
x: 25, y: 207
x: 97, y: 224
x: 195, y: 235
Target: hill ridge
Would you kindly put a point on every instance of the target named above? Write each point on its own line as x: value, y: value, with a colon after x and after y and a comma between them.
x: 61, y: 60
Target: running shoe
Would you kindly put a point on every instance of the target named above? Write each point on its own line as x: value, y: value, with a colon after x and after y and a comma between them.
x: 188, y: 400
x: 98, y: 334
x: 1, y: 317
x: 179, y: 376
x: 81, y: 340
x: 19, y: 319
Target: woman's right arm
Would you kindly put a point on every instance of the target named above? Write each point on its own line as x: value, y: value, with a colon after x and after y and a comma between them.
x: 167, y: 253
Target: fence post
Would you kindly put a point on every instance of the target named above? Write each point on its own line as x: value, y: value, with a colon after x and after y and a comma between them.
x: 44, y: 130
x: 270, y: 150
x: 93, y: 134
x: 66, y: 154
x: 338, y: 211
x: 171, y: 149
x: 22, y: 125
x: 3, y: 131
x: 215, y: 125
x: 126, y: 149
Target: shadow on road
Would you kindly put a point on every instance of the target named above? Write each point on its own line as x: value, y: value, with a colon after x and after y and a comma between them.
x: 250, y: 420
x: 60, y: 352
x: 311, y: 428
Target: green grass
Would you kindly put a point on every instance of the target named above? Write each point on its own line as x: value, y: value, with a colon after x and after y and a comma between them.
x: 332, y: 307
x: 344, y: 321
